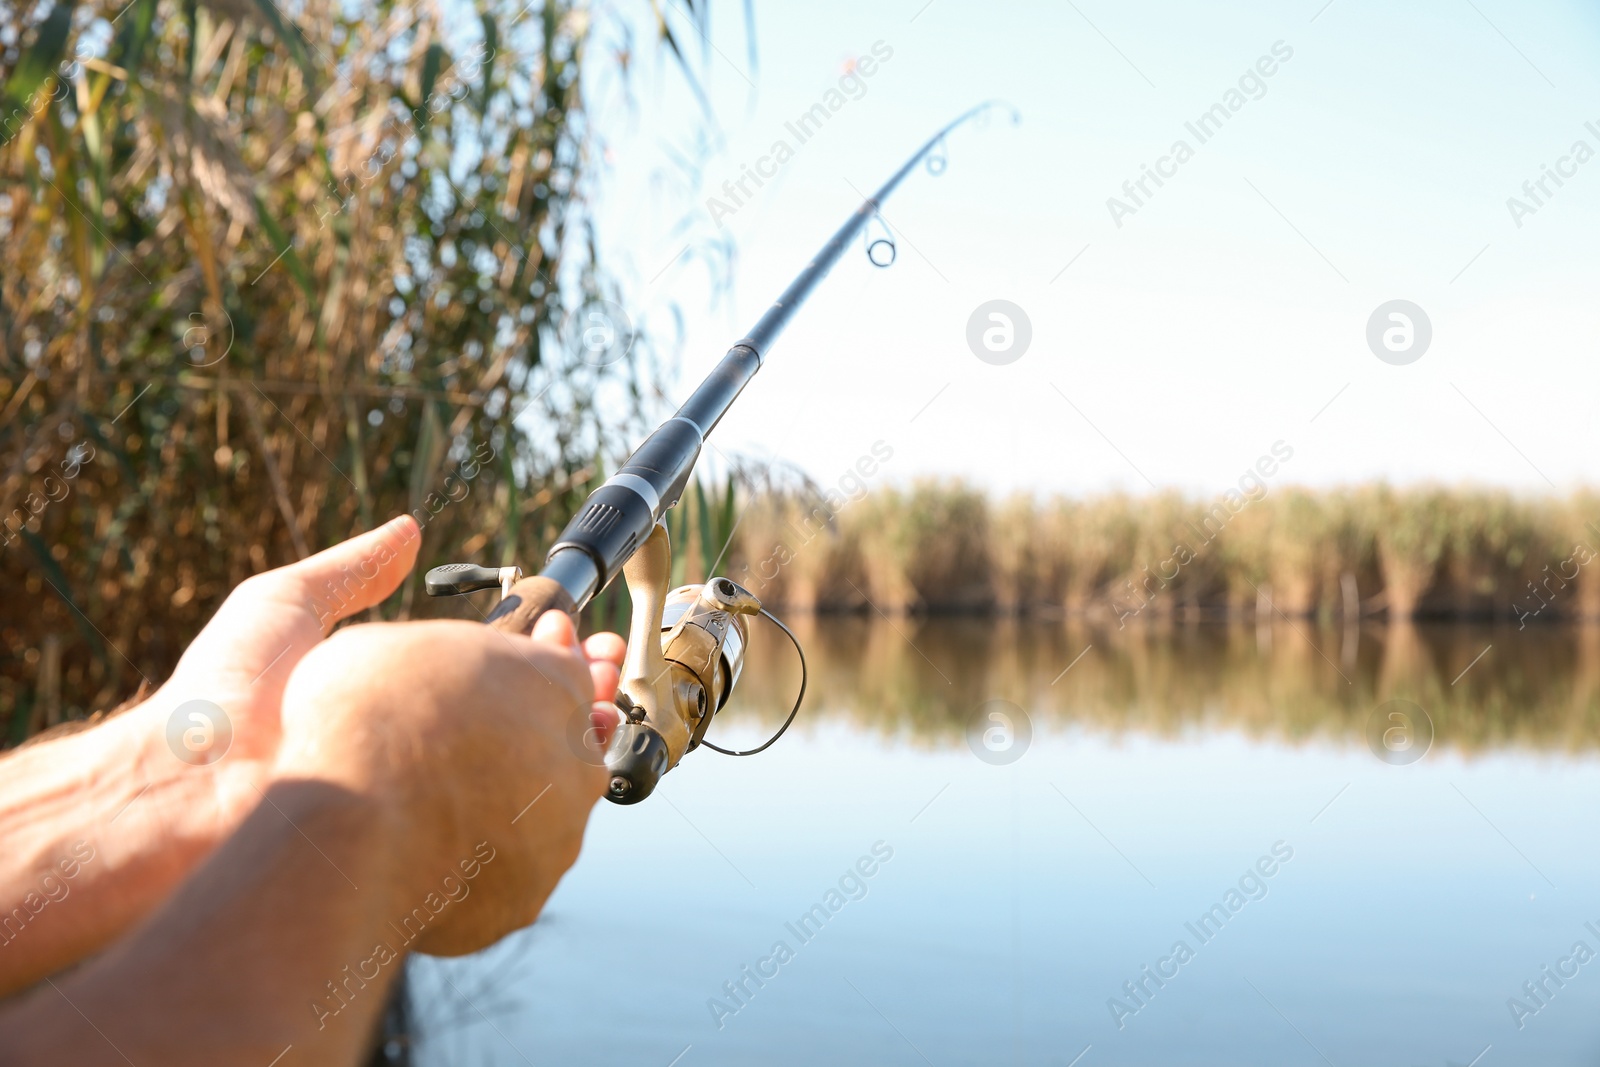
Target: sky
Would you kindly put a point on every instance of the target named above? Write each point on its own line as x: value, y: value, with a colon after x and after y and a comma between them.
x: 1176, y: 338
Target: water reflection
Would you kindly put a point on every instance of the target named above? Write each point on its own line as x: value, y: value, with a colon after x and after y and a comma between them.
x: 1482, y: 686
x: 1409, y: 904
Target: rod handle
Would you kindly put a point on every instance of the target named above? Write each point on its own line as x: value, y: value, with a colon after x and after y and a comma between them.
x: 526, y: 601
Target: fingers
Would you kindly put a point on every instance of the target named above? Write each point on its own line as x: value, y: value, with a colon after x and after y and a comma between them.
x: 604, y: 717
x: 605, y: 652
x: 608, y: 647
x: 356, y: 574
x: 557, y: 628
x: 605, y: 676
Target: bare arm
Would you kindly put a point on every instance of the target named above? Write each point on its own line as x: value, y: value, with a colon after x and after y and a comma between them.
x: 227, y: 970
x: 398, y: 819
x: 98, y: 827
x: 101, y: 825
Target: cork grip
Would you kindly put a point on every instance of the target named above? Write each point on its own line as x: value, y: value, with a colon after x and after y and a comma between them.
x: 529, y: 599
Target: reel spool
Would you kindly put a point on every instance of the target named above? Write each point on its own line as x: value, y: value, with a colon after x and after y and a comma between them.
x: 686, y: 651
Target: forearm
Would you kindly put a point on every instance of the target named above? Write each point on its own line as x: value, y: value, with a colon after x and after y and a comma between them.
x: 98, y: 827
x: 280, y: 939
x: 412, y: 758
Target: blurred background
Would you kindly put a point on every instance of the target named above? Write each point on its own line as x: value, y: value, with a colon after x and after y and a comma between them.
x: 1208, y: 478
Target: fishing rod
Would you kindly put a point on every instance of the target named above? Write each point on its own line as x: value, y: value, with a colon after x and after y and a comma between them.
x: 685, y: 647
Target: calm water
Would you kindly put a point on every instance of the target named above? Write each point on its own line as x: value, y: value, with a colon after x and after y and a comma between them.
x: 1406, y: 904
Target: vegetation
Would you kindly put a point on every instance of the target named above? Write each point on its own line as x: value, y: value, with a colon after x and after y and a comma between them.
x: 276, y: 272
x: 922, y: 679
x: 286, y: 276
x: 1293, y: 553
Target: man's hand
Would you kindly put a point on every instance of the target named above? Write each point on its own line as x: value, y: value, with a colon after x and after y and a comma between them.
x: 122, y: 794
x: 431, y: 787
x: 467, y: 736
x: 243, y: 658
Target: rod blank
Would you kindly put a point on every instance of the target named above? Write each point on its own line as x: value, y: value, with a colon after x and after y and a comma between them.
x: 589, y: 553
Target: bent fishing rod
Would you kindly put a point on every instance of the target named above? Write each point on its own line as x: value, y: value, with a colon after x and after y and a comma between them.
x: 685, y: 646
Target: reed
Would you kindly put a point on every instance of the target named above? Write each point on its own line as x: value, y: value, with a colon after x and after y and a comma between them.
x: 276, y: 272
x: 1424, y: 552
x: 921, y: 680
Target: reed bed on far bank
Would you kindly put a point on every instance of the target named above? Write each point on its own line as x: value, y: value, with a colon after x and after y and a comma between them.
x: 923, y: 680
x: 1374, y: 550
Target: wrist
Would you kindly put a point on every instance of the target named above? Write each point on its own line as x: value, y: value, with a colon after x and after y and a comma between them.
x: 198, y: 803
x: 302, y: 891
x: 397, y: 835
x: 111, y: 819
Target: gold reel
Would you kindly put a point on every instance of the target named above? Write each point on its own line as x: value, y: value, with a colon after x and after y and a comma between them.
x: 685, y: 654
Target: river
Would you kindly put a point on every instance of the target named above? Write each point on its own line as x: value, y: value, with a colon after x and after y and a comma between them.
x: 1031, y: 843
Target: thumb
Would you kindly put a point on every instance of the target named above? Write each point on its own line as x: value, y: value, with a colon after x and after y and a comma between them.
x: 356, y: 574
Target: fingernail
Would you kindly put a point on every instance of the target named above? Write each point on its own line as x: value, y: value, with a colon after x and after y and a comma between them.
x: 543, y: 625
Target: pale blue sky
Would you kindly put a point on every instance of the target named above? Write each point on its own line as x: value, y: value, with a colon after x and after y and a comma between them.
x: 1222, y: 317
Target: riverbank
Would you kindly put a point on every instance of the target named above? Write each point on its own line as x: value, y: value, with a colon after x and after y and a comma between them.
x: 1357, y: 553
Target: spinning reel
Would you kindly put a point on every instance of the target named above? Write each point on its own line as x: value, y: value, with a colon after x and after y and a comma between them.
x: 686, y: 650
